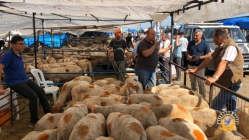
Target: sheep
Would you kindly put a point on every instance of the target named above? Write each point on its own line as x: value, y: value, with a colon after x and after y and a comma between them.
x: 48, y: 121
x: 186, y: 101
x: 96, y: 100
x: 114, y: 81
x: 160, y: 133
x: 136, y: 83
x: 228, y: 135
x: 131, y: 128
x: 70, y: 117
x: 65, y: 94
x: 140, y: 112
x: 174, y: 92
x: 183, y: 128
x: 50, y: 59
x: 243, y: 115
x: 149, y: 98
x: 157, y: 89
x: 104, y: 138
x: 89, y: 127
x: 41, y: 135
x: 169, y: 110
x: 206, y: 119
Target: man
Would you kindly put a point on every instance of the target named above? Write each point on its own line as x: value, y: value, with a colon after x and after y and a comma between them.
x: 184, y: 49
x: 166, y: 56
x: 130, y: 42
x: 198, y: 50
x: 177, y: 56
x: 228, y: 62
x: 118, y: 46
x: 16, y: 78
x: 147, y: 59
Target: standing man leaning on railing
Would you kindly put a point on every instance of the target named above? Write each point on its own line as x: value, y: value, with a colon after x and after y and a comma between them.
x: 228, y: 62
x: 198, y: 50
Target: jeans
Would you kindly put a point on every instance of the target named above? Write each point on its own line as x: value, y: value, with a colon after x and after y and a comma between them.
x: 200, y: 82
x: 178, y: 60
x: 32, y: 92
x: 146, y: 78
x: 225, y: 98
x: 184, y: 60
x: 121, y: 67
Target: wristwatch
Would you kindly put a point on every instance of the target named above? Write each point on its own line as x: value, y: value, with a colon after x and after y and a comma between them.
x: 216, y: 77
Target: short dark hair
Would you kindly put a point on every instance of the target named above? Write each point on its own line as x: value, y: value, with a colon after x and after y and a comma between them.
x: 15, y: 39
x: 221, y: 32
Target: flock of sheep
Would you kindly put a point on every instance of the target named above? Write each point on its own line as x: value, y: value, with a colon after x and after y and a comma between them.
x: 110, y: 109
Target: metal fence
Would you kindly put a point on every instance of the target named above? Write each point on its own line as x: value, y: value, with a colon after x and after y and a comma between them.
x: 219, y: 98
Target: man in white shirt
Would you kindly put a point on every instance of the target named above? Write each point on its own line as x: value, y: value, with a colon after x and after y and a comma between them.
x: 184, y: 49
x: 228, y: 62
x: 166, y: 56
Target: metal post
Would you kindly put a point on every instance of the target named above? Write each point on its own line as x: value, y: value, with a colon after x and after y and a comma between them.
x: 35, y: 45
x: 171, y: 41
x: 9, y: 40
x: 52, y: 45
x: 211, y: 95
x: 11, y: 107
x: 43, y: 41
x: 151, y: 24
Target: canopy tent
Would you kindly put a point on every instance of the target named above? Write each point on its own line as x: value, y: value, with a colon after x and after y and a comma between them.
x: 242, y: 22
x: 61, y: 13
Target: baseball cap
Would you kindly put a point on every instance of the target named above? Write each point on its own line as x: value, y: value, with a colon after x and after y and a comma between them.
x: 118, y: 32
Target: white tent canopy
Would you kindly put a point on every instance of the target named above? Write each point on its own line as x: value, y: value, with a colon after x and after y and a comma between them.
x: 67, y: 13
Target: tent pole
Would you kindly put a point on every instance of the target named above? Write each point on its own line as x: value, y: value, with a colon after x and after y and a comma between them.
x: 43, y: 41
x: 171, y: 41
x: 9, y: 40
x: 151, y: 24
x: 52, y: 45
x: 35, y: 47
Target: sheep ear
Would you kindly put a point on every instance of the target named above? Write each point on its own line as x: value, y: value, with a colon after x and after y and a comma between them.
x: 91, y: 109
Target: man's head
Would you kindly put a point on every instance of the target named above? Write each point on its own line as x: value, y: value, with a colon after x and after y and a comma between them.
x: 151, y: 34
x: 118, y: 34
x: 17, y: 43
x: 198, y: 35
x: 220, y: 36
x: 165, y: 36
x: 228, y: 31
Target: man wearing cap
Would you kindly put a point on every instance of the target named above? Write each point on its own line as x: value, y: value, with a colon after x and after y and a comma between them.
x: 119, y: 48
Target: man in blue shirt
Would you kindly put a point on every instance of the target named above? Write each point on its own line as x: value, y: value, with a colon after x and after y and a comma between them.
x: 177, y: 55
x: 16, y: 78
x: 197, y: 51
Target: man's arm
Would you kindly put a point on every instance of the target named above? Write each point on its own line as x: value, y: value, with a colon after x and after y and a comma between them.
x: 149, y: 51
x: 2, y: 91
x: 178, y: 43
x: 206, y: 56
x: 163, y: 50
x: 221, y: 68
x: 188, y: 56
x: 204, y: 64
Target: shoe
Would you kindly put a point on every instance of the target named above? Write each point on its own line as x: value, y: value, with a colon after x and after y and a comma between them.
x: 32, y: 125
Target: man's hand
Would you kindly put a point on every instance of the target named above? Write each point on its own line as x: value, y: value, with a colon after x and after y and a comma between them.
x: 210, y: 80
x: 111, y: 54
x: 170, y: 46
x: 157, y: 43
x: 191, y: 70
x: 2, y: 91
x: 195, y: 58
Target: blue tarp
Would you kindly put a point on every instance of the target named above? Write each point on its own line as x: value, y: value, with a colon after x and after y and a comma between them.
x: 58, y: 40
x: 242, y: 22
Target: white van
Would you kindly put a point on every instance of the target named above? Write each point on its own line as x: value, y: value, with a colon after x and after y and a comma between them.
x: 208, y: 30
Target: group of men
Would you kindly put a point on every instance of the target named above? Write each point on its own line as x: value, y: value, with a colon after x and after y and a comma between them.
x: 194, y: 55
x: 227, y: 59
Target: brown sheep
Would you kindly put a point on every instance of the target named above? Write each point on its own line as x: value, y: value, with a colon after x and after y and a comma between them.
x: 41, y: 135
x: 183, y: 128
x: 48, y: 121
x: 124, y: 127
x: 169, y: 110
x: 158, y: 132
x: 70, y: 117
x: 140, y: 112
x: 89, y: 127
